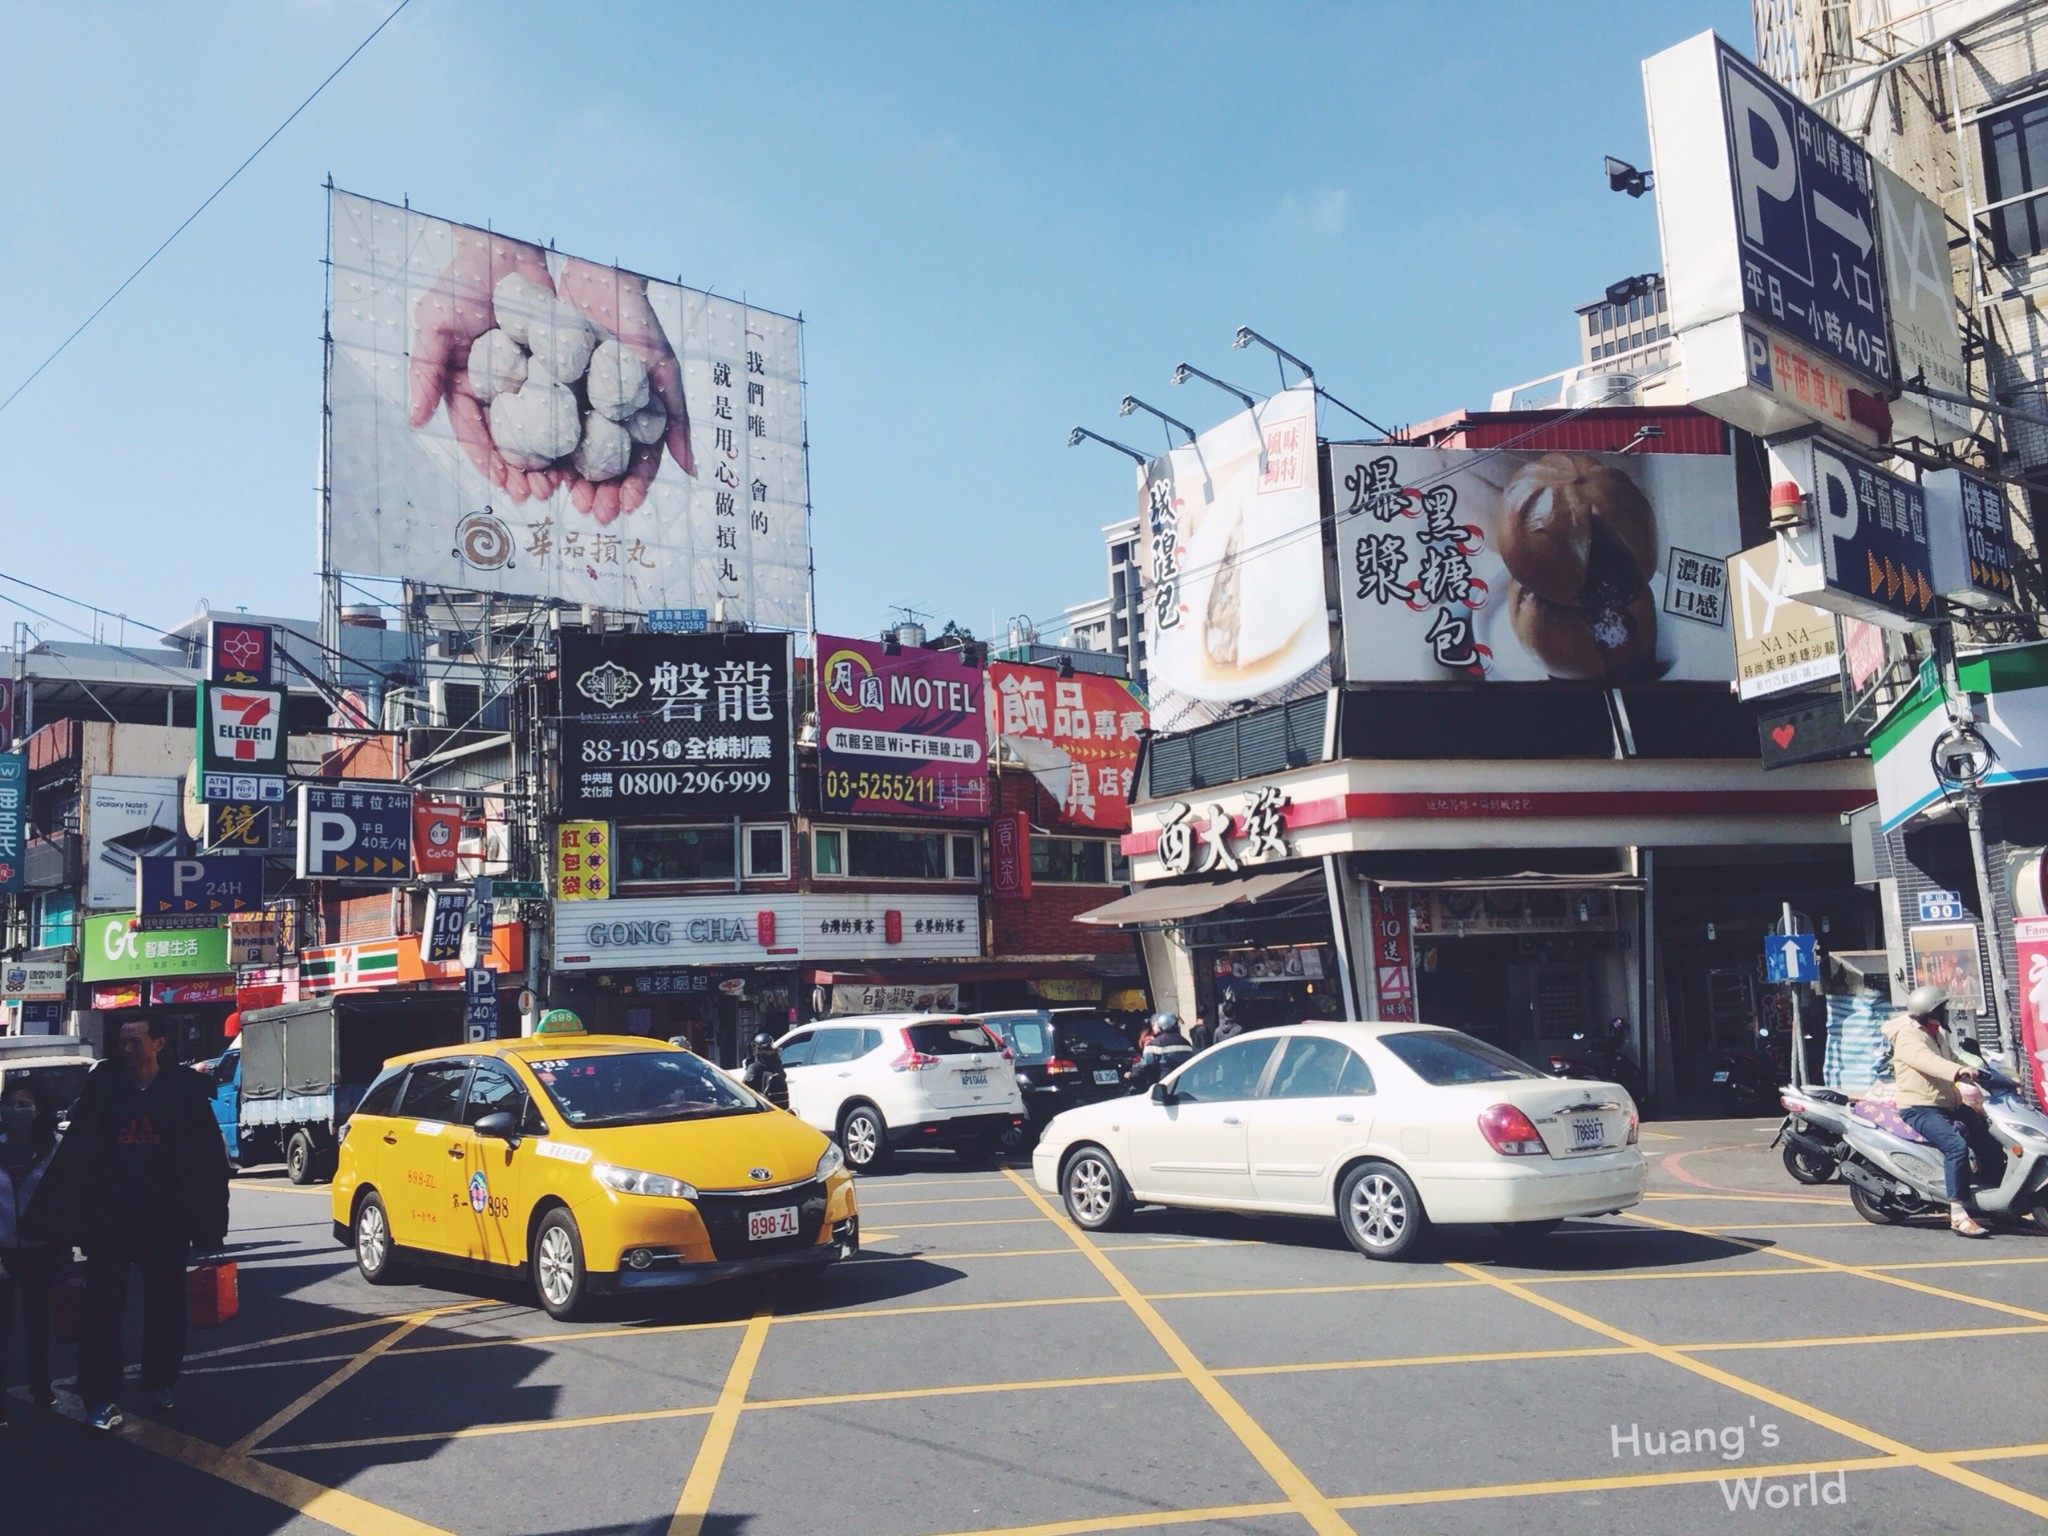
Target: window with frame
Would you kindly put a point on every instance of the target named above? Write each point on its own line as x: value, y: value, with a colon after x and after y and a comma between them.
x: 434, y: 1091
x: 661, y: 855
x: 2015, y: 162
x: 767, y: 852
x: 1071, y: 860
x: 890, y: 853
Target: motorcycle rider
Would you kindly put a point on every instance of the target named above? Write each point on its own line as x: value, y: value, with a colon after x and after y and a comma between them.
x: 1926, y: 1070
x: 765, y: 1073
x: 1165, y: 1048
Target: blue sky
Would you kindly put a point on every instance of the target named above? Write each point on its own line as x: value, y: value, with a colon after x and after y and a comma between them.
x: 996, y: 221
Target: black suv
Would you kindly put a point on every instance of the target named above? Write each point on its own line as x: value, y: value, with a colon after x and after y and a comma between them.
x: 1066, y: 1057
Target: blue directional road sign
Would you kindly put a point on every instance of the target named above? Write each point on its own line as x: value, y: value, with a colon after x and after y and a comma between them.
x: 1804, y: 223
x: 197, y: 893
x: 1790, y: 957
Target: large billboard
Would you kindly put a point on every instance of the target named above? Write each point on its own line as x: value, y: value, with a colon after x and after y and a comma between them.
x: 680, y: 726
x: 1517, y: 567
x: 901, y: 731
x: 509, y: 419
x: 1235, y: 614
x: 127, y: 818
x: 1078, y: 736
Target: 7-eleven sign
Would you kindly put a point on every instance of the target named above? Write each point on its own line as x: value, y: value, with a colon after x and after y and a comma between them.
x: 241, y: 728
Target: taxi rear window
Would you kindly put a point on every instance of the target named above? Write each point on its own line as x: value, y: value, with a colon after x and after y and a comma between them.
x: 639, y: 1088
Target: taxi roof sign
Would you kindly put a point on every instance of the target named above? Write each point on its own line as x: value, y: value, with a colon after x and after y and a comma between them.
x: 559, y: 1021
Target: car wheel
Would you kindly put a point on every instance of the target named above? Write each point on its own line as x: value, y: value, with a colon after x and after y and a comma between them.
x: 1381, y: 1212
x: 558, y: 1273
x: 376, y: 1257
x: 1527, y: 1229
x: 1808, y: 1167
x: 298, y: 1158
x: 1016, y: 1137
x: 864, y: 1139
x: 1094, y: 1191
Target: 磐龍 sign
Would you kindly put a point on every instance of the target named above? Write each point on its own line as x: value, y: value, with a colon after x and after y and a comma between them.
x: 505, y: 418
x: 351, y: 833
x: 901, y: 731
x: 675, y: 725
x: 196, y: 893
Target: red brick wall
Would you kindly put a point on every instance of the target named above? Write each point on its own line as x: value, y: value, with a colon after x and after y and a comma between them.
x: 1044, y: 925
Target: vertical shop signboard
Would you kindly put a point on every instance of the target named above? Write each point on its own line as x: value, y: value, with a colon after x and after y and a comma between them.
x: 583, y: 860
x: 1009, y: 857
x: 2030, y: 937
x: 1393, y: 954
x: 13, y: 819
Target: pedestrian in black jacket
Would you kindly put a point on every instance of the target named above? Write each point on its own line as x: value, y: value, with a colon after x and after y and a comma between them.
x: 765, y: 1073
x: 140, y: 1181
x: 28, y: 1139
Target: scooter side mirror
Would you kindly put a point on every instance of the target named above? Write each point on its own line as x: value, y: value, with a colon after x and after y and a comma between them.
x: 1969, y: 1043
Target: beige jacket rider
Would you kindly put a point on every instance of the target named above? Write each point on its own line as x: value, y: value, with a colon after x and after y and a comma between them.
x: 1924, y: 1065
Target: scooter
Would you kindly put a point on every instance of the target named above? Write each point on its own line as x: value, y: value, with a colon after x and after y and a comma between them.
x: 1893, y: 1176
x: 1811, y: 1134
x: 1742, y: 1082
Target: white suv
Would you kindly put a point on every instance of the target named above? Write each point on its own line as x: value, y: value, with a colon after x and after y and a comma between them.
x: 883, y: 1081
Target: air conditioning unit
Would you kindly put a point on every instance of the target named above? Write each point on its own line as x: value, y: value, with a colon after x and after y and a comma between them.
x: 485, y: 849
x: 405, y: 708
x: 457, y: 706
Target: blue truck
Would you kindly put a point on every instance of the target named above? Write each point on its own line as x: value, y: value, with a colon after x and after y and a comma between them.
x: 282, y: 1090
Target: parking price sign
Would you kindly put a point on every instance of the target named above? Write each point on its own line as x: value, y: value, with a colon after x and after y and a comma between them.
x: 349, y: 833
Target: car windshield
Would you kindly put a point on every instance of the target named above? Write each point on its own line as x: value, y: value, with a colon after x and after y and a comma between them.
x: 639, y: 1088
x: 1443, y: 1058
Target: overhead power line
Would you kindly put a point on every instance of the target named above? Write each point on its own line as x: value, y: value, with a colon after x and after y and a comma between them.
x: 182, y: 227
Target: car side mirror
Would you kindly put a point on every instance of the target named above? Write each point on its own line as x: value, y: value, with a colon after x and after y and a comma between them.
x: 499, y: 1125
x: 1161, y: 1094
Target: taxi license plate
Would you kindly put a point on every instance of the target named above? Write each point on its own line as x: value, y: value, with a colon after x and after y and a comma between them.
x: 1588, y: 1131
x: 780, y: 1222
x: 1107, y: 1075
x: 974, y: 1079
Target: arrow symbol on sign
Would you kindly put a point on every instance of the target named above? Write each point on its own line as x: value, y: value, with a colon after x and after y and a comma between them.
x: 1791, y: 957
x: 1849, y: 226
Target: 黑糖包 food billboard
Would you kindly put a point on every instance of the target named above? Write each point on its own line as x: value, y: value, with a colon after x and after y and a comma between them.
x: 1517, y: 567
x: 902, y: 733
x: 1235, y: 614
x: 508, y: 419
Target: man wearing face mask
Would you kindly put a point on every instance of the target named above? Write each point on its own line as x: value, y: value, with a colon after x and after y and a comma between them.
x: 28, y: 1136
x: 140, y: 1181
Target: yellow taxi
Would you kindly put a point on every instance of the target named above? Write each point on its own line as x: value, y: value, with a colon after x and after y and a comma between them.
x: 595, y: 1164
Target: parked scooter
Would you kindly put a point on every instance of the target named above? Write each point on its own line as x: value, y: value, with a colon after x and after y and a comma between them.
x: 1893, y: 1176
x: 1815, y: 1119
x: 1744, y: 1082
x: 1603, y: 1058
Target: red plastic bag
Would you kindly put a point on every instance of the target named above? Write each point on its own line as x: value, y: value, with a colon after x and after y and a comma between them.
x: 213, y: 1293
x: 67, y: 1308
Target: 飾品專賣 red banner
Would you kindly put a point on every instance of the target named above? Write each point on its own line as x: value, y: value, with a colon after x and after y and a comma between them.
x: 902, y: 733
x: 1077, y: 735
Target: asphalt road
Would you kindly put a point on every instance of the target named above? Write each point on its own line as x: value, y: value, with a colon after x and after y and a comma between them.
x: 984, y: 1366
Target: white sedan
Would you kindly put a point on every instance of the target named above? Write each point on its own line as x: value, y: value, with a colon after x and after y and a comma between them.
x: 1391, y: 1128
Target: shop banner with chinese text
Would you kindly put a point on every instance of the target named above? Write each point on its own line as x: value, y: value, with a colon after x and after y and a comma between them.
x: 900, y: 734
x: 1078, y: 736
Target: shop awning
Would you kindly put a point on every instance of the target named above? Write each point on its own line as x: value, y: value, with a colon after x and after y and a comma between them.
x: 1618, y: 880
x: 1169, y: 903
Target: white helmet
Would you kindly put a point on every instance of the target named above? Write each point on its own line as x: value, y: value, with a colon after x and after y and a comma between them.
x: 1926, y: 1002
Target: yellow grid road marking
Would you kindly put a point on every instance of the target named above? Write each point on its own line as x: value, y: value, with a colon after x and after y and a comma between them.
x: 1491, y: 1357
x: 1882, y: 1443
x: 1314, y: 1290
x: 316, y: 1501
x: 1143, y: 1521
x: 1830, y: 1266
x: 320, y: 1389
x: 486, y: 1431
x: 964, y: 1389
x: 376, y: 1320
x: 890, y: 1205
x: 695, y: 1501
x: 1303, y: 1495
x: 1920, y: 1337
x: 1673, y: 1194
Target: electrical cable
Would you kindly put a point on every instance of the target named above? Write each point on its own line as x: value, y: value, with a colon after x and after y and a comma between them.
x: 211, y: 196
